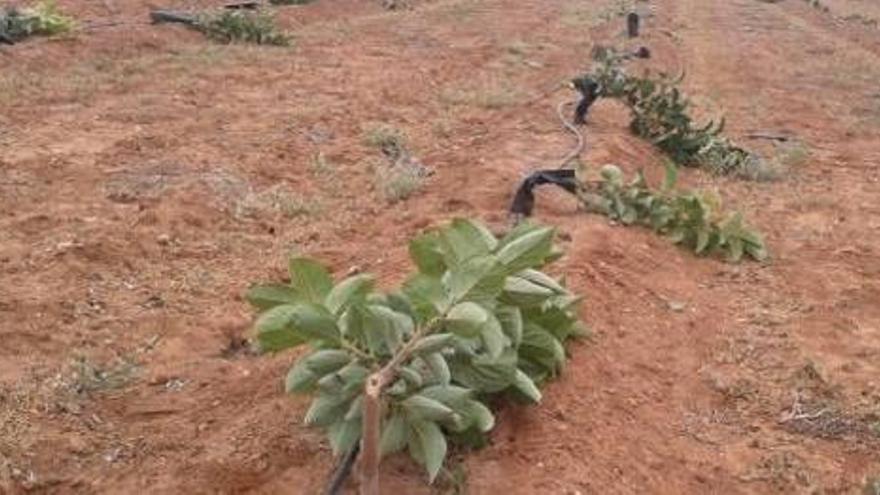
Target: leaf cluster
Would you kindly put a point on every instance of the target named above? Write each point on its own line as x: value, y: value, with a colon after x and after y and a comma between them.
x: 693, y: 219
x: 241, y: 26
x: 476, y: 320
x: 44, y: 19
x: 659, y: 113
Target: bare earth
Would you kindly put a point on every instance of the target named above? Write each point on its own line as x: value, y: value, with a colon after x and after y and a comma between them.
x: 147, y: 177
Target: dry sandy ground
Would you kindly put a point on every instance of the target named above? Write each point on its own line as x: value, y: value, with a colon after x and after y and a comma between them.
x: 147, y: 177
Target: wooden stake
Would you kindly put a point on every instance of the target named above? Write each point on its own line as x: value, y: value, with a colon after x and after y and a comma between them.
x: 370, y: 454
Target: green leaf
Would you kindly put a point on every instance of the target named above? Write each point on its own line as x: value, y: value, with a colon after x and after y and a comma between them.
x: 463, y: 240
x: 349, y: 378
x: 351, y: 290
x: 671, y: 177
x: 450, y: 395
x: 327, y: 409
x: 511, y: 320
x: 756, y: 251
x: 390, y: 325
x: 393, y: 435
x: 299, y: 378
x: 297, y: 323
x: 274, y: 330
x: 493, y: 338
x: 412, y: 377
x: 521, y: 292
x: 343, y: 435
x: 268, y: 296
x: 478, y: 279
x: 439, y: 369
x: 310, y: 279
x: 419, y: 407
x: 427, y: 253
x: 479, y: 415
x: 702, y: 240
x: 431, y: 446
x: 527, y: 251
x: 467, y: 319
x: 735, y: 249
x: 432, y: 343
x: 525, y: 385
x: 326, y: 361
x: 427, y: 296
x: 542, y: 279
x: 483, y: 374
x: 541, y: 346
x: 356, y: 409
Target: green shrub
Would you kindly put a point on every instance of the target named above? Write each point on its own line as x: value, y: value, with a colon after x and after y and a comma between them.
x: 695, y: 220
x: 239, y: 26
x: 659, y: 113
x: 44, y: 19
x: 476, y: 320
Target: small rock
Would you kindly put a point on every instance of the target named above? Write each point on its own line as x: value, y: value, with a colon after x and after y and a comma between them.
x: 676, y: 306
x: 163, y: 239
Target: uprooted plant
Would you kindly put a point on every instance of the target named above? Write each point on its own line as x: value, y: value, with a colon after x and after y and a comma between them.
x: 229, y: 25
x: 413, y: 368
x: 44, y: 19
x: 660, y: 114
x: 695, y: 220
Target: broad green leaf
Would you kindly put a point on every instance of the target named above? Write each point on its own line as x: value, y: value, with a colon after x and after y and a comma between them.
x: 483, y: 374
x: 327, y: 409
x: 356, y: 409
x: 525, y: 385
x: 310, y: 279
x: 427, y: 296
x: 393, y: 435
x: 479, y: 415
x: 431, y: 446
x: 426, y: 251
x: 299, y: 378
x: 493, y: 338
x: 350, y: 290
x: 268, y: 296
x: 452, y: 396
x: 521, y: 292
x: 274, y: 329
x: 542, y: 279
x: 326, y: 361
x: 419, y: 407
x: 349, y: 378
x: 511, y: 320
x: 559, y: 322
x: 527, y: 251
x: 412, y: 377
x: 479, y: 272
x: 463, y: 239
x: 311, y: 322
x: 344, y: 435
x: 433, y: 343
x: 439, y: 369
x: 467, y: 319
x: 541, y: 346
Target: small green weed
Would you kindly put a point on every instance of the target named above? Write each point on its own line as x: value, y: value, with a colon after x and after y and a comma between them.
x: 44, y: 19
x: 238, y: 26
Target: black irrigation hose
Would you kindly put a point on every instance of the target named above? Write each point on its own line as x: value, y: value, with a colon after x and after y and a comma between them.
x: 524, y: 199
x: 342, y: 471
